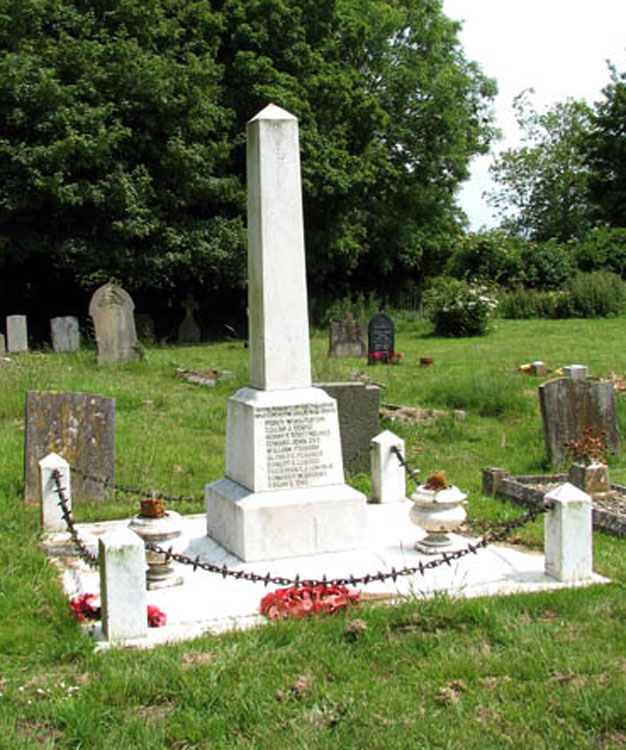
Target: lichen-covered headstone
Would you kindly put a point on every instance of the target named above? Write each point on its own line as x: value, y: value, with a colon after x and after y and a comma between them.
x: 568, y: 407
x: 347, y: 338
x: 80, y: 427
x: 111, y: 309
x: 65, y: 334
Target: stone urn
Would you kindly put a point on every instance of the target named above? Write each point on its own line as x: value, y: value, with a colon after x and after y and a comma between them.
x: 159, y: 526
x: 593, y: 478
x: 439, y: 512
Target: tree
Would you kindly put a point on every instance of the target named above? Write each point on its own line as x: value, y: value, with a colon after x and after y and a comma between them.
x: 112, y: 143
x: 542, y: 191
x: 391, y: 114
x: 605, y: 149
x: 122, y: 134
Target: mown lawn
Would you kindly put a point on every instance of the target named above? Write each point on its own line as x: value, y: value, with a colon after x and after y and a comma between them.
x: 532, y: 671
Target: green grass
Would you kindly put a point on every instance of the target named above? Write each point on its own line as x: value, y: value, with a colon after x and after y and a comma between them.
x: 532, y: 671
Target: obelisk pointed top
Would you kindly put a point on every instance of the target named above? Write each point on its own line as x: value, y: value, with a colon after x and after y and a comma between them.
x: 273, y: 112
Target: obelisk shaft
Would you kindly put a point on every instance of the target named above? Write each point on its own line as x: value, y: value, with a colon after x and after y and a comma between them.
x: 277, y: 295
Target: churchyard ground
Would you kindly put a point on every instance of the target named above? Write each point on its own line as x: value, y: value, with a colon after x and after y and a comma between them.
x: 540, y: 671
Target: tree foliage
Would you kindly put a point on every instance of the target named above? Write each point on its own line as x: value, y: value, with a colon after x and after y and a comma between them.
x: 605, y: 149
x: 122, y: 129
x: 542, y: 185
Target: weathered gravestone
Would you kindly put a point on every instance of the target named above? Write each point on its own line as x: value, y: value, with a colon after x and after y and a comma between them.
x: 65, y: 334
x: 358, y: 405
x: 381, y: 337
x: 188, y: 330
x: 17, y: 336
x: 111, y: 309
x: 144, y: 325
x: 346, y: 338
x: 80, y: 427
x: 284, y: 492
x: 568, y: 407
x: 2, y: 345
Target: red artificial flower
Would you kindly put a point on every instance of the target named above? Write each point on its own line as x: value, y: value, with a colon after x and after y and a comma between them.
x: 156, y: 618
x: 86, y: 607
x: 298, y: 602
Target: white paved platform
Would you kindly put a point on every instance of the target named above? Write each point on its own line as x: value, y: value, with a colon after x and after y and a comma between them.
x: 209, y: 603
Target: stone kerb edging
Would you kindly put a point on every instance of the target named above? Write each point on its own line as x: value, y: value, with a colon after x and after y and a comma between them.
x: 529, y: 490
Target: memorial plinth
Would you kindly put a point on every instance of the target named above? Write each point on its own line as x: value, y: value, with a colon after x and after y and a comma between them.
x: 284, y: 491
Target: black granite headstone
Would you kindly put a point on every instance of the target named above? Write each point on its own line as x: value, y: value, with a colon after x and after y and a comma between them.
x: 380, y: 338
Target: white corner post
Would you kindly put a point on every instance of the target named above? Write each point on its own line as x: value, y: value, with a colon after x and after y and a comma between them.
x: 388, y: 474
x: 122, y: 557
x: 51, y: 511
x: 568, y: 534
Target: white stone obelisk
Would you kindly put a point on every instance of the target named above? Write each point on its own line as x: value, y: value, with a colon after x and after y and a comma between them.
x: 284, y: 493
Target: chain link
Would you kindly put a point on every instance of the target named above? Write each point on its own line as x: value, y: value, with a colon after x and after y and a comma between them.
x: 412, y: 473
x: 445, y: 558
x: 137, y: 491
x: 83, y: 551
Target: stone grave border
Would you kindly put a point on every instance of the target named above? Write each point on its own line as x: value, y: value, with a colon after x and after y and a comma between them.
x: 529, y: 490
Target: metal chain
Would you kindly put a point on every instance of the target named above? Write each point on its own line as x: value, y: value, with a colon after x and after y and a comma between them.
x: 412, y: 473
x: 446, y: 558
x: 137, y: 491
x: 83, y: 552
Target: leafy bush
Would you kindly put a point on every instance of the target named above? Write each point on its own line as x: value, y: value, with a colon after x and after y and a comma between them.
x: 457, y: 308
x: 600, y: 294
x: 487, y: 257
x: 532, y: 303
x: 360, y: 307
x: 603, y: 249
x: 547, y: 265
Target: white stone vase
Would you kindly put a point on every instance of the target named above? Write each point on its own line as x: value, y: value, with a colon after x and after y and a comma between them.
x: 438, y: 512
x: 163, y: 532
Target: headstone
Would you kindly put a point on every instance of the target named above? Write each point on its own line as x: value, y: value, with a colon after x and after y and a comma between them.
x: 284, y: 492
x: 144, y: 325
x: 347, y: 338
x: 380, y: 346
x: 80, y: 427
x: 65, y: 334
x: 17, y: 336
x: 111, y: 309
x: 358, y: 405
x: 2, y: 344
x: 188, y: 330
x: 569, y: 407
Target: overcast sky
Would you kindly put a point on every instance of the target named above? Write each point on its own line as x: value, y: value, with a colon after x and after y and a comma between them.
x: 557, y: 47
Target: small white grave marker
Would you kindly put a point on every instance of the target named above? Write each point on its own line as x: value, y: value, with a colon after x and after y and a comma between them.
x: 568, y: 534
x: 388, y: 475
x: 51, y: 511
x: 123, y: 585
